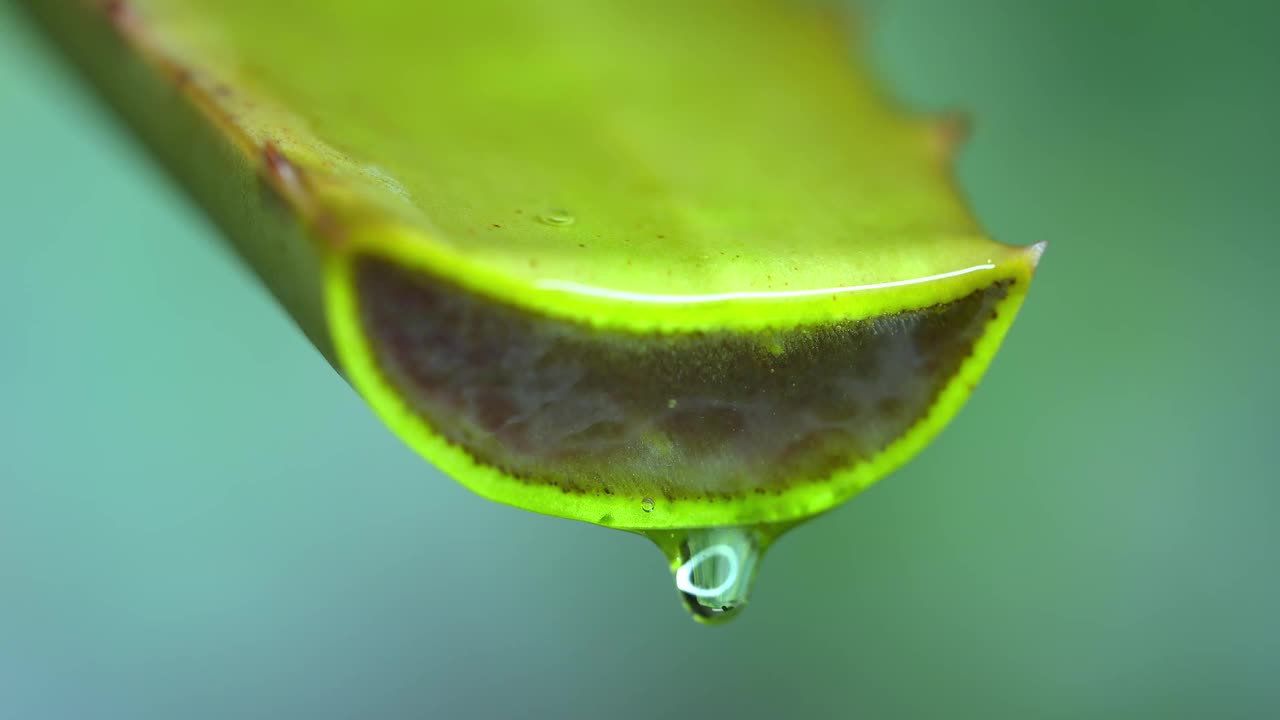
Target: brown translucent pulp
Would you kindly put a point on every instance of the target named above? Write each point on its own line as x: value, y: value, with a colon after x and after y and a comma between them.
x: 646, y: 415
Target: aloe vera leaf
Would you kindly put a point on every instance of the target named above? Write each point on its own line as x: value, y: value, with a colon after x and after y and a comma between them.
x: 649, y: 265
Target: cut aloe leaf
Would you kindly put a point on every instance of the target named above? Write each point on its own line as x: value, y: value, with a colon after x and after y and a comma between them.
x: 672, y: 267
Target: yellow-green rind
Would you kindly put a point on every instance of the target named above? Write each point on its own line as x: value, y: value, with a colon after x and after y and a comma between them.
x: 797, y: 304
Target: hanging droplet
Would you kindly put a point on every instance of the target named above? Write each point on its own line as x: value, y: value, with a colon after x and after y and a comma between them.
x: 714, y: 568
x: 647, y: 504
x: 557, y: 218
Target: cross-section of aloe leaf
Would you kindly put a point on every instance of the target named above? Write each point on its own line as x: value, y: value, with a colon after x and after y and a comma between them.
x: 653, y: 265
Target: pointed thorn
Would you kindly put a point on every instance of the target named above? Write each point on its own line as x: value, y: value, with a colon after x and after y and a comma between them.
x: 1034, y: 252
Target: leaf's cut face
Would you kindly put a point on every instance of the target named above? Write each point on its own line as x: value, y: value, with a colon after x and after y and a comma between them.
x: 706, y: 415
x: 654, y: 265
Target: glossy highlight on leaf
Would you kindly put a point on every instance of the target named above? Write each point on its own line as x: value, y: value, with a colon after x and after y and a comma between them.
x: 657, y: 266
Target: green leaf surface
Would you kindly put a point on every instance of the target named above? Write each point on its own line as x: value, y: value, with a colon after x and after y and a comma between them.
x: 650, y: 265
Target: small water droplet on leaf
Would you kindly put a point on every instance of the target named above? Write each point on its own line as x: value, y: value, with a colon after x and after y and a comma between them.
x: 557, y: 218
x: 647, y: 504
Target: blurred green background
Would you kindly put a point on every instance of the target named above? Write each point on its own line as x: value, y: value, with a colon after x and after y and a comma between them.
x: 199, y: 519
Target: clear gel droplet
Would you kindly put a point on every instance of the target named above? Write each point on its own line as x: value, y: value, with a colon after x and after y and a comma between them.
x: 647, y: 504
x: 714, y: 568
